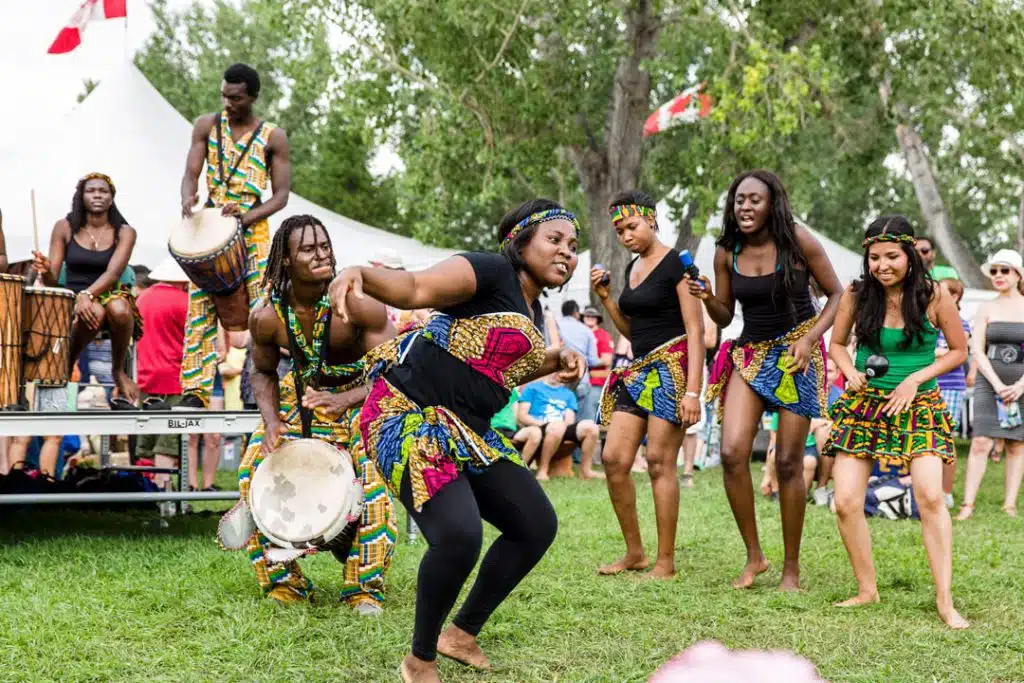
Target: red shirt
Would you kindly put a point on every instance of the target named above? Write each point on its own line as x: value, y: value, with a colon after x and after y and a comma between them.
x: 604, y: 346
x: 164, y: 309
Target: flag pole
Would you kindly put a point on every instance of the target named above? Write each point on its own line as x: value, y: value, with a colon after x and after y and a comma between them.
x: 35, y: 223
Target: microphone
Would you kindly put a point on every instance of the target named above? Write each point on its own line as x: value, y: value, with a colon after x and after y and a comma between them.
x: 689, y: 267
x: 606, y: 278
x: 876, y: 366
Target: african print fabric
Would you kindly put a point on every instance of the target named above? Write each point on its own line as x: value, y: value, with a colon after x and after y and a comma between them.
x: 311, y: 352
x: 431, y: 441
x: 371, y: 553
x: 121, y: 291
x: 656, y: 382
x: 764, y: 366
x: 244, y: 185
x: 861, y: 430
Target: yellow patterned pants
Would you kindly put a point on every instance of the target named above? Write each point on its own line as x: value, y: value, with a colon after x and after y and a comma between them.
x: 370, y: 556
x: 199, y: 366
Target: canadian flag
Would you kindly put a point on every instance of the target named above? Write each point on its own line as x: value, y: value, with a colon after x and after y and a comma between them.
x: 70, y: 36
x: 686, y: 107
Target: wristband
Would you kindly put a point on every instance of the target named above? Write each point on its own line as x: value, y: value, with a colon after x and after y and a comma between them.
x: 692, y: 394
x: 89, y: 294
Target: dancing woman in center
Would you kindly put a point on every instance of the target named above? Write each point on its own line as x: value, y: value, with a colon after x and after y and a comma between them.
x: 426, y: 421
x: 658, y: 394
x: 765, y: 261
x: 897, y: 311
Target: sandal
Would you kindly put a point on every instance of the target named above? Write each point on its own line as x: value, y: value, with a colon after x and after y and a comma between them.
x: 120, y: 403
x: 155, y: 403
x: 687, y: 481
x: 966, y: 511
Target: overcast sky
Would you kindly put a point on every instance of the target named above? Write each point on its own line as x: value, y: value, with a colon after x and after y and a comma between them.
x: 39, y: 88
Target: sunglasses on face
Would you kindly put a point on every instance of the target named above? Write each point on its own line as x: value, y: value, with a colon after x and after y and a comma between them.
x: 1002, y: 270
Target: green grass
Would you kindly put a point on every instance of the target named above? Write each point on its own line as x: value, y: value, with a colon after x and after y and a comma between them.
x: 98, y: 596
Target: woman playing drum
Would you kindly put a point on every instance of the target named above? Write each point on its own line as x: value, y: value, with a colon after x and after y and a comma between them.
x: 426, y: 422
x: 94, y: 243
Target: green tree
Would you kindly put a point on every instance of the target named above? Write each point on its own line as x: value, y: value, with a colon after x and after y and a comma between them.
x: 302, y: 90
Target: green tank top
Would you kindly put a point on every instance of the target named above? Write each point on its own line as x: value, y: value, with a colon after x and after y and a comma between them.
x: 902, y: 362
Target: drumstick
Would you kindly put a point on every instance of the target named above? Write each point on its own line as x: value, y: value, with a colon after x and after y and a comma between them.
x: 35, y: 223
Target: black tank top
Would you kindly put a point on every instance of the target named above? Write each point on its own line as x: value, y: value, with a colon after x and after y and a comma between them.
x: 653, y: 307
x: 769, y: 311
x: 84, y: 266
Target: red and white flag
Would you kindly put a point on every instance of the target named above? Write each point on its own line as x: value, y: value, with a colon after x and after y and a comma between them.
x: 686, y: 107
x: 70, y: 36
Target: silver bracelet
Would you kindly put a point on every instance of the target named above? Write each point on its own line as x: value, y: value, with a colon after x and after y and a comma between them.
x: 692, y: 394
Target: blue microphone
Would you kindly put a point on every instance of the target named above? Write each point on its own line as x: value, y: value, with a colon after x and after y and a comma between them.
x: 689, y: 267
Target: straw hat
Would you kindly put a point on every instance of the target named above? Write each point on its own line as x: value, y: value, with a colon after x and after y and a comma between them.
x: 1004, y: 257
x: 168, y: 271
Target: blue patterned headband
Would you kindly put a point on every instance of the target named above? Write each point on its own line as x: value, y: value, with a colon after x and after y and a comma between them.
x: 538, y: 218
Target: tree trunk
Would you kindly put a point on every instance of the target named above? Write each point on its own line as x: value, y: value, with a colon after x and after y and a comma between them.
x: 934, y: 210
x: 685, y: 239
x: 613, y: 165
x: 1020, y: 224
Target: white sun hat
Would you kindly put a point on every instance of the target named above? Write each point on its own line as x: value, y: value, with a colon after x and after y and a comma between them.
x: 168, y: 271
x: 1004, y: 257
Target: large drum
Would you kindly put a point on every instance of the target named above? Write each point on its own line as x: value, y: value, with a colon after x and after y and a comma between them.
x: 11, y: 291
x: 306, y: 495
x: 47, y: 335
x: 210, y: 248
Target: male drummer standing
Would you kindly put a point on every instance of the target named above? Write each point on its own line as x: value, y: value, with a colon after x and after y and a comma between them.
x: 326, y: 361
x: 240, y: 152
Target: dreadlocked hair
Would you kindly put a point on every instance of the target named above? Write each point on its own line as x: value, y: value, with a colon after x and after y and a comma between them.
x: 276, y: 278
x: 78, y: 215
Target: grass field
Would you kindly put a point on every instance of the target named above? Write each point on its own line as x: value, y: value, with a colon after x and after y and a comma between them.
x: 94, y: 596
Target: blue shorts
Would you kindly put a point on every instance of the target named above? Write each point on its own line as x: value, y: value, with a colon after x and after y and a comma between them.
x: 218, y: 386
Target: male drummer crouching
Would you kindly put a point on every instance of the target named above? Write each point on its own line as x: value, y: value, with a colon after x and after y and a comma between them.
x: 296, y: 315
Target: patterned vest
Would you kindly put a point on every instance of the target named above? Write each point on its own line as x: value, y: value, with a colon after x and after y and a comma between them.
x: 237, y: 171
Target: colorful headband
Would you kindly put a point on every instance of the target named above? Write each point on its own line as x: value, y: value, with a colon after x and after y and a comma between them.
x: 538, y: 218
x: 100, y: 176
x: 624, y: 211
x: 889, y: 237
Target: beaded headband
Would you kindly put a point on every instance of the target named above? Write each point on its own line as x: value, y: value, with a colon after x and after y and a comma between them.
x: 888, y: 237
x: 541, y: 217
x: 100, y: 176
x: 624, y: 211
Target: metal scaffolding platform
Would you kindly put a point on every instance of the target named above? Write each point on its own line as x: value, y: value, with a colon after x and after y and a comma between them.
x: 131, y: 423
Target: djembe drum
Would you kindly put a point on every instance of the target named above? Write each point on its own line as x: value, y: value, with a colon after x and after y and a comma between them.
x: 210, y: 248
x: 47, y: 335
x: 306, y: 494
x: 11, y: 291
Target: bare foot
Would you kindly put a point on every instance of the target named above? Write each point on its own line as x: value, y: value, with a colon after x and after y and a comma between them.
x: 966, y: 510
x: 1011, y: 511
x: 662, y: 571
x: 859, y: 599
x: 454, y: 643
x: 593, y: 475
x: 750, y: 572
x: 953, y: 619
x: 790, y: 581
x: 415, y: 670
x: 542, y: 476
x: 126, y: 386
x: 627, y: 563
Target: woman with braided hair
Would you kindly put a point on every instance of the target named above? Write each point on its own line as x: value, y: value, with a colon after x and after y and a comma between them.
x: 766, y: 261
x: 426, y: 422
x: 93, y: 245
x: 892, y: 407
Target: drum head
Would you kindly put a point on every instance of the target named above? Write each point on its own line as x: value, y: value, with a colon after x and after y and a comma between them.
x: 301, y: 490
x: 206, y: 232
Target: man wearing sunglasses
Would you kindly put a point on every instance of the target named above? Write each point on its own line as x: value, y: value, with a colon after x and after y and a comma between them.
x: 926, y: 249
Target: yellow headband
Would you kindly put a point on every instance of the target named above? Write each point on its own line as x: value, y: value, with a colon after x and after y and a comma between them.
x: 100, y: 176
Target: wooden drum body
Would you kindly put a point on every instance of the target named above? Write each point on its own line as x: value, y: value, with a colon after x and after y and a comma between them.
x: 211, y: 249
x: 47, y: 335
x: 12, y: 289
x: 306, y: 495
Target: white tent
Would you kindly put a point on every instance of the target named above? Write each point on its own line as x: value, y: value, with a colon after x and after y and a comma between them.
x: 125, y: 129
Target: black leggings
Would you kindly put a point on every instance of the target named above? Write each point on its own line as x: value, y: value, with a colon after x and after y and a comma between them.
x: 507, y: 496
